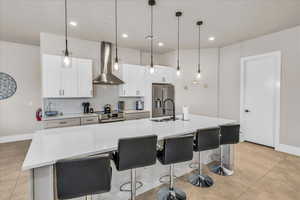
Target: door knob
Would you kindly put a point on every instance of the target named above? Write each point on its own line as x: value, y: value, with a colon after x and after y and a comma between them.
x: 247, y: 111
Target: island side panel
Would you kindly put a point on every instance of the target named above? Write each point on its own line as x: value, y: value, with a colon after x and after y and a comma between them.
x: 43, y: 183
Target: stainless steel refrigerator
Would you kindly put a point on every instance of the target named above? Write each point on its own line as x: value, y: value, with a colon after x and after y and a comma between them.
x: 161, y: 92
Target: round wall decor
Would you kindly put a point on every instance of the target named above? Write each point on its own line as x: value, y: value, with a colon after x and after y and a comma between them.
x: 8, y: 86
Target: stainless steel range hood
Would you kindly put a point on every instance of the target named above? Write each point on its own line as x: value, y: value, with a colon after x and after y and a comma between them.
x: 106, y: 76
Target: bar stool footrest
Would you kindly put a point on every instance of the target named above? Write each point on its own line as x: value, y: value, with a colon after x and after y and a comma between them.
x: 161, y: 179
x: 123, y: 188
x: 194, y: 165
x: 168, y: 194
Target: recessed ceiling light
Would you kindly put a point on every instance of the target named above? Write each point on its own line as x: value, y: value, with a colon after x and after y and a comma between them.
x: 124, y: 35
x: 211, y: 38
x: 73, y: 23
x: 161, y: 44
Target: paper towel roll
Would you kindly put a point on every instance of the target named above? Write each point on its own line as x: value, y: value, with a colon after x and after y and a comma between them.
x: 185, y: 111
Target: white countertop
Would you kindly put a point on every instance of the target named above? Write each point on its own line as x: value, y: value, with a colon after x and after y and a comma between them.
x: 69, y: 116
x: 51, y: 145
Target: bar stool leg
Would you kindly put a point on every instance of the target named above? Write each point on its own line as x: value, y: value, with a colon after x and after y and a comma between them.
x: 199, y: 179
x: 171, y: 193
x: 138, y: 184
x: 221, y: 170
x: 133, y: 184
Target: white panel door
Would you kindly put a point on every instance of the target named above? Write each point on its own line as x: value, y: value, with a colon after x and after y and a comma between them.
x: 51, y: 76
x: 258, y: 100
x: 85, y: 77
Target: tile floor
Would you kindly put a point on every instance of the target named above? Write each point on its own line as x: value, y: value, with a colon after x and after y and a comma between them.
x: 261, y: 174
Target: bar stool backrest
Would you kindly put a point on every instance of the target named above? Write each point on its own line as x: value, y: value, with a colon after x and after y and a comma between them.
x: 230, y: 134
x: 82, y: 177
x: 136, y: 152
x: 207, y: 139
x: 178, y: 149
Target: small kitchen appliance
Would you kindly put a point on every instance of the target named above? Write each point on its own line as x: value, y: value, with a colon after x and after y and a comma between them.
x: 86, y: 107
x: 113, y: 116
x: 139, y: 105
x: 121, y: 106
x: 107, y: 109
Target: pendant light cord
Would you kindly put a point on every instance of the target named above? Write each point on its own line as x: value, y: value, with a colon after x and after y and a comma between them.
x: 66, y: 28
x: 116, y: 26
x: 199, y: 39
x: 178, y: 24
x: 151, y: 61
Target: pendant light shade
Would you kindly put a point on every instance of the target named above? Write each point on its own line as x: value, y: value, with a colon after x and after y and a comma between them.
x: 198, y: 74
x: 178, y: 15
x: 116, y: 64
x: 67, y: 60
x: 151, y: 3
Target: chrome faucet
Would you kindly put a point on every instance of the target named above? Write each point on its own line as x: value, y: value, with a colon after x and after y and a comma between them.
x: 164, y: 107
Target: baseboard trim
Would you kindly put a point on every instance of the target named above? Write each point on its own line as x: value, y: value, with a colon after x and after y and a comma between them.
x: 288, y: 149
x: 16, y: 138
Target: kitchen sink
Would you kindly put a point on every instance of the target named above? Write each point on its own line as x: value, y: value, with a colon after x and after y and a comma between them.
x: 164, y: 119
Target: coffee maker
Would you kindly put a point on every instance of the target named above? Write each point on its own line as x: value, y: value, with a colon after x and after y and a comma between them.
x: 86, y: 107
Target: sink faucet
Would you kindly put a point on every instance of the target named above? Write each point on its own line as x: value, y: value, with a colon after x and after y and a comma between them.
x: 164, y: 107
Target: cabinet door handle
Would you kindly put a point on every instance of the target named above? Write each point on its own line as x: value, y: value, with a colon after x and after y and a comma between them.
x: 89, y: 120
x: 124, y: 92
x: 63, y: 91
x: 63, y: 122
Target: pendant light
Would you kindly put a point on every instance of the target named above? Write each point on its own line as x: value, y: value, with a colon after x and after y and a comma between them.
x: 116, y: 65
x: 151, y: 4
x: 67, y: 61
x: 198, y: 75
x: 178, y: 15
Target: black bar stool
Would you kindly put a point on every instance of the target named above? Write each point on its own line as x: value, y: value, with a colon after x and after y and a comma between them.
x: 135, y: 153
x: 83, y: 177
x: 175, y: 150
x: 206, y: 139
x: 230, y: 134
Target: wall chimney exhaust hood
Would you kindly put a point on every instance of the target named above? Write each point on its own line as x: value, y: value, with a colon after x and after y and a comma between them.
x: 106, y: 76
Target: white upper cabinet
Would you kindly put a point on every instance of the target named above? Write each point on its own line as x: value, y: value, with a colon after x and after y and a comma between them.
x: 134, y: 78
x: 85, y: 77
x: 62, y: 82
x: 163, y: 74
x: 51, y: 76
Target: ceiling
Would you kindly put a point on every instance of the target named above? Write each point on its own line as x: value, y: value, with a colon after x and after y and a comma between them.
x: 229, y: 21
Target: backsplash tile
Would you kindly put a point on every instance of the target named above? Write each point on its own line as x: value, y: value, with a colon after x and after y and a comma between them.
x: 103, y: 95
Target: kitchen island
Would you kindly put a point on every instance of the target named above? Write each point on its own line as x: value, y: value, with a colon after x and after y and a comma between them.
x: 49, y: 146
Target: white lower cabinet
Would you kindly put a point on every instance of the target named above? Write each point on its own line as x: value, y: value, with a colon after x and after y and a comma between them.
x: 66, y: 82
x: 137, y: 115
x: 59, y: 123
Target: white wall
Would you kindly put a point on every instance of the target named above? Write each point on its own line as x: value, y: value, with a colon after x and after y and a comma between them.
x: 17, y: 114
x: 201, y: 98
x: 288, y: 42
